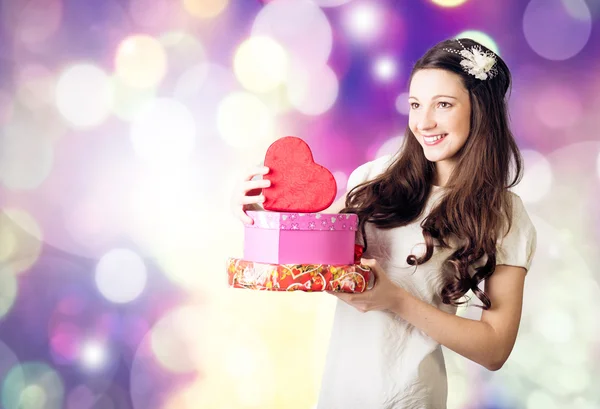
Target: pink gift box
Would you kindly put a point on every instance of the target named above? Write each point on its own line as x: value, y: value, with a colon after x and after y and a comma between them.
x: 300, y: 238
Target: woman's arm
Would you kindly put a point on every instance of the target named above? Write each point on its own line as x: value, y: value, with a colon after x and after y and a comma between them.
x: 489, y: 341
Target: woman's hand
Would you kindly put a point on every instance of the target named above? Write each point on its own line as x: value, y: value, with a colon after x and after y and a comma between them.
x: 247, y: 195
x: 382, y: 296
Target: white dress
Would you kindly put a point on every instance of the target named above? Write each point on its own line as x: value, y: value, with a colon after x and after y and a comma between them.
x: 376, y: 360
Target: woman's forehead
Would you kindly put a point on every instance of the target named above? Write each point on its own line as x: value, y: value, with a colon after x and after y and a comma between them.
x: 431, y: 82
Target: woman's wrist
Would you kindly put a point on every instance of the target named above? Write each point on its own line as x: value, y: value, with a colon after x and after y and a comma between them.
x: 399, y: 300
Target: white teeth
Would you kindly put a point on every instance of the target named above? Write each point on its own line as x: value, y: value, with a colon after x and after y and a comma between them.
x: 432, y: 138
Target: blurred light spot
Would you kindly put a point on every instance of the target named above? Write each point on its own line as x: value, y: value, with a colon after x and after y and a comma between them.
x: 149, y: 13
x: 33, y: 24
x: 555, y: 325
x: 553, y: 31
x: 36, y: 86
x: 24, y: 238
x: 402, y: 105
x: 558, y: 106
x: 331, y: 3
x: 385, y: 68
x: 341, y: 179
x: 449, y: 3
x: 141, y: 61
x: 84, y: 95
x: 26, y: 156
x: 8, y: 244
x: 177, y: 344
x: 164, y: 131
x: 32, y: 385
x: 190, y: 82
x: 312, y: 91
x: 577, y: 9
x: 260, y: 64
x: 301, y: 28
x: 244, y: 120
x: 184, y: 50
x: 364, y: 21
x: 540, y: 399
x: 537, y: 178
x: 205, y: 9
x: 128, y: 101
x: 93, y: 355
x: 65, y: 341
x: 574, y: 380
x: 482, y: 38
x: 32, y: 397
x: 81, y: 397
x: 8, y: 361
x: 390, y: 147
x: 189, y: 397
x: 121, y: 275
x: 8, y: 289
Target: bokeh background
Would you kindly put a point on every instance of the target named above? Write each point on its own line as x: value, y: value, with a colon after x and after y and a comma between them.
x: 124, y: 125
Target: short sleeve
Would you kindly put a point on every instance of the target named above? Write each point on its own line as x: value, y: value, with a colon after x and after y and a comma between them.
x: 368, y: 171
x: 518, y: 247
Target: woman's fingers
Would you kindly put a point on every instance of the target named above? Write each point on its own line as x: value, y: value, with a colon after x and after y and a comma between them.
x: 257, y: 171
x: 244, y: 217
x: 247, y: 200
x: 248, y: 192
x: 256, y: 184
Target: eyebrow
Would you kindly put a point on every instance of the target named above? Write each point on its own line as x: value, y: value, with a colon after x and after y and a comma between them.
x: 435, y: 97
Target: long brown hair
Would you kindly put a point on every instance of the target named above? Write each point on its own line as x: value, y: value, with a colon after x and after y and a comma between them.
x: 476, y: 205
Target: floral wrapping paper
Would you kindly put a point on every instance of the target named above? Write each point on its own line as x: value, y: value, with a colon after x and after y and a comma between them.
x: 297, y: 277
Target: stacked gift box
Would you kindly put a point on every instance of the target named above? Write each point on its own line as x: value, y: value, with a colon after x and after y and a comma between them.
x: 288, y: 248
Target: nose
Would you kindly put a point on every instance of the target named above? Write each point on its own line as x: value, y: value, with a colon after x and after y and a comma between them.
x: 426, y: 121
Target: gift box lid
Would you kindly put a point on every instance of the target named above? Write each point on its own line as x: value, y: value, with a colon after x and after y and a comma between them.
x: 303, y: 221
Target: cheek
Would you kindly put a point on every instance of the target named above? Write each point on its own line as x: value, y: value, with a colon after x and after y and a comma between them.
x: 412, y: 124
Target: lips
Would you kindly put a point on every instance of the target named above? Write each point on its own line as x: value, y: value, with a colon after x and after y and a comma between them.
x: 434, y: 139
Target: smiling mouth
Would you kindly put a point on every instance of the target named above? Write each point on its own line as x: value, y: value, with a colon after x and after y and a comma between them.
x: 432, y: 140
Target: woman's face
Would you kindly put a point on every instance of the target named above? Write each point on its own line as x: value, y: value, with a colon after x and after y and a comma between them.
x: 439, y: 114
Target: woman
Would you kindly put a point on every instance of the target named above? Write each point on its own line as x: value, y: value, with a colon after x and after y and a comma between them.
x: 436, y: 220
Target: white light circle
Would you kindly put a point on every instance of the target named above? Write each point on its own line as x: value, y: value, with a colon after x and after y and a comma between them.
x: 300, y: 26
x: 84, y: 95
x: 312, y: 91
x: 121, y: 275
x: 260, y: 64
x: 244, y: 120
x: 364, y: 21
x: 164, y: 131
x: 385, y: 68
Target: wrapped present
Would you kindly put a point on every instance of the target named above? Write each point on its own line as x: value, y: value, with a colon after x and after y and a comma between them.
x: 351, y: 278
x: 300, y: 238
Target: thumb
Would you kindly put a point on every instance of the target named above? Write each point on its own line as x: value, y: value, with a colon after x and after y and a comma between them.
x: 372, y: 263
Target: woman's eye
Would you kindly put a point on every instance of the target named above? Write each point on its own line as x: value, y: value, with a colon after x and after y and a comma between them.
x: 444, y: 104
x: 414, y: 105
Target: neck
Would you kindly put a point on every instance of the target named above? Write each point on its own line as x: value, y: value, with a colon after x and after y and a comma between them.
x: 443, y: 170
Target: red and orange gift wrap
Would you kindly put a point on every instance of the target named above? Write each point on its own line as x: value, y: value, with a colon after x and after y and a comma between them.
x: 299, y: 277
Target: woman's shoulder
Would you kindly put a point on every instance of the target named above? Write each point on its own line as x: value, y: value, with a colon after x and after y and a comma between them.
x: 369, y: 170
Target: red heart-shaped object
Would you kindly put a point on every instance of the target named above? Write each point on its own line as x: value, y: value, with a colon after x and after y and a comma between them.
x: 298, y: 184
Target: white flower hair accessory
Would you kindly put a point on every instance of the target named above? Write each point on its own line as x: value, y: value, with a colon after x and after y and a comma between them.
x: 477, y: 62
